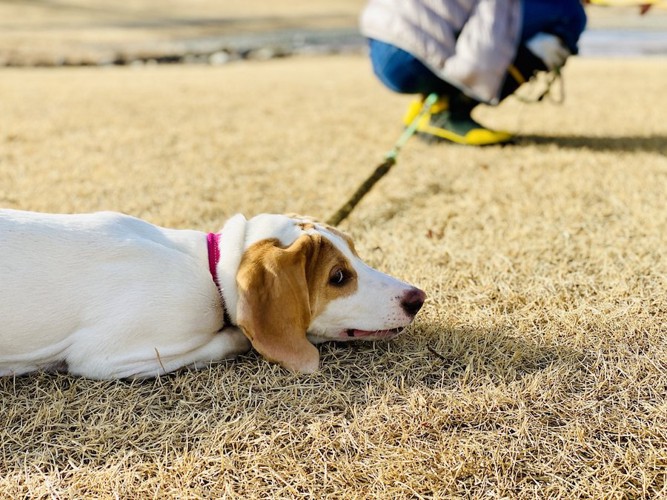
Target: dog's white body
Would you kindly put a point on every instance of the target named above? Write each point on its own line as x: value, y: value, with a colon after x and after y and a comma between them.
x: 106, y: 295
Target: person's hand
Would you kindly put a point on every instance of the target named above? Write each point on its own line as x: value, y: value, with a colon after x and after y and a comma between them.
x: 549, y: 49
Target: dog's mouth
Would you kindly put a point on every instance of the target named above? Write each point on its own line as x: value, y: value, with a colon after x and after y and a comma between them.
x: 352, y: 333
x: 355, y: 334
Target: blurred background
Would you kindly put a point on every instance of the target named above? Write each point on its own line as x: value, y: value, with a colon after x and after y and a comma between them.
x: 108, y: 32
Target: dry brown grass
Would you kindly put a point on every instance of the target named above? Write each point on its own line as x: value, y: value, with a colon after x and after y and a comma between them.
x: 537, y: 369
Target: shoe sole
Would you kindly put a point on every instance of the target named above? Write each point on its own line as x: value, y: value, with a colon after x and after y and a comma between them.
x: 442, y: 135
x: 436, y: 139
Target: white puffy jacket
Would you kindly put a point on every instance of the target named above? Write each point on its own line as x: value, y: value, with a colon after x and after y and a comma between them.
x: 469, y: 43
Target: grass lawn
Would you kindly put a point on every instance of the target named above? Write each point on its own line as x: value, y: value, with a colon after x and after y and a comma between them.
x: 537, y: 368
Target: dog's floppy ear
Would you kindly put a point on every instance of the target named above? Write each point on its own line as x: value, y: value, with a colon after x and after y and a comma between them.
x: 273, y: 309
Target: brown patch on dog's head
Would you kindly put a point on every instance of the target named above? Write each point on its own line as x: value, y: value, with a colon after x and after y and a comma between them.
x: 342, y: 236
x: 306, y: 226
x: 282, y: 289
x: 307, y: 223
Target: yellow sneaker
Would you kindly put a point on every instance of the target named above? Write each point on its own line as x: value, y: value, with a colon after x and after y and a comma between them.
x: 441, y: 124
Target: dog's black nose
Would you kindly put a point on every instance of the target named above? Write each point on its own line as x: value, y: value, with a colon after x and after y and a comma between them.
x: 413, y: 301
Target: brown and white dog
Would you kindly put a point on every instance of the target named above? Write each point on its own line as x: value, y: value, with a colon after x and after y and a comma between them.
x: 106, y: 295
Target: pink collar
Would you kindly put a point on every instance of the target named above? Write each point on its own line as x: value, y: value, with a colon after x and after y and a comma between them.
x: 212, y: 241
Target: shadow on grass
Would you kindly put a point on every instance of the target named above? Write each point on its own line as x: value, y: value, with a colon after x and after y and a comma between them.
x: 443, y: 358
x: 52, y: 420
x: 649, y: 144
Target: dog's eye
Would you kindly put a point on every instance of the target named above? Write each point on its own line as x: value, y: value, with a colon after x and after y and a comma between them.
x: 338, y: 277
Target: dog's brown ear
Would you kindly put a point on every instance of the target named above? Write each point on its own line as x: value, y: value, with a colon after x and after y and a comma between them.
x: 273, y: 309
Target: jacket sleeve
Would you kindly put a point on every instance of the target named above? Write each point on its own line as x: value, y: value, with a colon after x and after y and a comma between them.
x: 485, y: 48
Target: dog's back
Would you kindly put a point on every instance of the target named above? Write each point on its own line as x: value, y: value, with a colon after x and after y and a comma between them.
x: 68, y: 279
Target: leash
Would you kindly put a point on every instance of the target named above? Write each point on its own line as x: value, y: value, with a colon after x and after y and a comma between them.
x: 390, y: 158
x: 384, y: 167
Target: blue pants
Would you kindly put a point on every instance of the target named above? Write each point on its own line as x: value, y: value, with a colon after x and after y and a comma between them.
x: 404, y: 73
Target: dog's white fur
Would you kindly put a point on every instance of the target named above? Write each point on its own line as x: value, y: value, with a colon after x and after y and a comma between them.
x: 106, y: 295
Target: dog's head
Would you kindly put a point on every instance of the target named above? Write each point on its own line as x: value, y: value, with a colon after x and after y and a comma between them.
x: 300, y: 282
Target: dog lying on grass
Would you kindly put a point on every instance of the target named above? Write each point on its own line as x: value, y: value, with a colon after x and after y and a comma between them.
x: 106, y: 295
